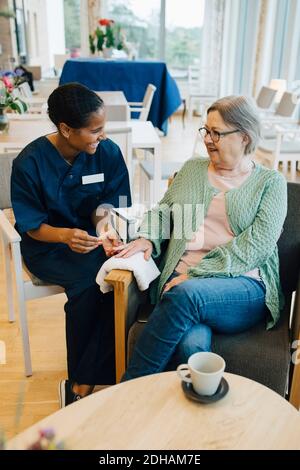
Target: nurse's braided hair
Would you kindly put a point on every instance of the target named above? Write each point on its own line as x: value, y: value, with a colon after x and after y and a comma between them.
x: 73, y: 104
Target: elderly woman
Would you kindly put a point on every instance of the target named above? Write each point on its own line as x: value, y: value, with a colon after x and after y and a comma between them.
x: 223, y: 276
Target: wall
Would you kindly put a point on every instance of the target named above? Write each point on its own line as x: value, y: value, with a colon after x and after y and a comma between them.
x: 6, y: 37
x: 37, y: 33
x: 56, y: 28
x: 45, y: 32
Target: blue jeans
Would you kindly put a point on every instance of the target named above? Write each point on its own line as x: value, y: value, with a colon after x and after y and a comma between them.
x: 183, y: 321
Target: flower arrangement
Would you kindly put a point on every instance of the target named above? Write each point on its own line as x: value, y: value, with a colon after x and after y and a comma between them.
x: 45, y: 441
x: 107, y: 35
x: 9, y: 82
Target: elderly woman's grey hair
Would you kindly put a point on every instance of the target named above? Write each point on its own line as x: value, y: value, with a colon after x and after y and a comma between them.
x: 241, y: 113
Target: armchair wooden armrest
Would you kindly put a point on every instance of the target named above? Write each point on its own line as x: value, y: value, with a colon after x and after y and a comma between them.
x: 295, y: 385
x: 127, y: 298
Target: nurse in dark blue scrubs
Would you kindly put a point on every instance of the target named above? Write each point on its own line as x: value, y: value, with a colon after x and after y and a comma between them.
x: 58, y: 182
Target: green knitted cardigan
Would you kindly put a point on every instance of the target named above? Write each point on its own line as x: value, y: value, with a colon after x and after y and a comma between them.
x: 256, y: 212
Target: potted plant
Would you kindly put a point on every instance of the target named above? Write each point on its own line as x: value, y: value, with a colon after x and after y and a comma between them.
x: 9, y: 98
x: 107, y: 36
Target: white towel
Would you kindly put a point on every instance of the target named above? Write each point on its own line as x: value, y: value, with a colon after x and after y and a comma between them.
x: 143, y: 271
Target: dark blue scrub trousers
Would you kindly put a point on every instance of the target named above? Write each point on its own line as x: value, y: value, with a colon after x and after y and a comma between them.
x: 183, y: 321
x: 89, y: 313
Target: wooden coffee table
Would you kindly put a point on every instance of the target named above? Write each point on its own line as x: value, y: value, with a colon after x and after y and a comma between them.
x: 153, y: 413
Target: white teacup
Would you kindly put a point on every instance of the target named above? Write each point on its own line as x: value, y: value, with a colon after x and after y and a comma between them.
x: 204, y: 370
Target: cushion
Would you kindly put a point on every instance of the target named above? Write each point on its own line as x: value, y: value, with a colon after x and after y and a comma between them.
x: 35, y: 280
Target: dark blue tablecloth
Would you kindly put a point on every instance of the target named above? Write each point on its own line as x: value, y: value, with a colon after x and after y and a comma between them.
x: 131, y: 77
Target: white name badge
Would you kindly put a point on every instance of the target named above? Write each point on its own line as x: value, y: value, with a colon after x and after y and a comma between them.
x: 96, y: 178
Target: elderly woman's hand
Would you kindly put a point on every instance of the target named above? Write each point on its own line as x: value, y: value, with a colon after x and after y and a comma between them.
x: 141, y: 244
x: 109, y: 241
x: 175, y: 282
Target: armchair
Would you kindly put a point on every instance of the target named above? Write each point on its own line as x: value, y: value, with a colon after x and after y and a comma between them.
x: 264, y: 356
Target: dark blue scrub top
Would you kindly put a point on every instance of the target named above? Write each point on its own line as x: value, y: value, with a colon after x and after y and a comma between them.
x: 46, y: 189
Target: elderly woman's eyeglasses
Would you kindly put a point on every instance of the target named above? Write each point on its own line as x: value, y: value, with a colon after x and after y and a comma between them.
x: 214, y: 135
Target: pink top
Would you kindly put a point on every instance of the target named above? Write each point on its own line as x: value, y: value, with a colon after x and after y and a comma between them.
x: 215, y: 230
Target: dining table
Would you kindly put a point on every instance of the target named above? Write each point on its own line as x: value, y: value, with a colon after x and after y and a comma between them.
x: 156, y: 412
x: 117, y: 107
x: 132, y: 77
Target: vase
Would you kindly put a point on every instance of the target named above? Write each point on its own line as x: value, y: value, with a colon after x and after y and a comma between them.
x: 4, y: 122
x: 107, y: 52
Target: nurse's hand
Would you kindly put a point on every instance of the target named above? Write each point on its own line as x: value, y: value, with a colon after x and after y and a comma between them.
x: 141, y: 244
x: 80, y: 241
x: 109, y: 243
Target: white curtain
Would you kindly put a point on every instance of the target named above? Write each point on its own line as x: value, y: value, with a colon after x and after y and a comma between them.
x: 240, y: 32
x: 212, y: 37
x: 278, y: 44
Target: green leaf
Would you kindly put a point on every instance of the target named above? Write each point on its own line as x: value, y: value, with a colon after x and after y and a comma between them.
x: 92, y: 45
x: 7, y: 14
x: 14, y: 106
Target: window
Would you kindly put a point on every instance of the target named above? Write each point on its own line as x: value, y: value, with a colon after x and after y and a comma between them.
x: 36, y: 34
x: 169, y: 30
x: 20, y: 33
x: 72, y: 28
x: 184, y: 22
x: 140, y: 20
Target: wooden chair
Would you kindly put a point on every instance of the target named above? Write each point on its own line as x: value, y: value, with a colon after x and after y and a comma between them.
x: 265, y: 97
x: 35, y: 104
x: 264, y: 356
x: 202, y: 88
x: 122, y: 135
x: 146, y: 178
x: 285, y: 148
x: 59, y: 62
x: 36, y: 71
x: 143, y: 107
x: 32, y: 288
x: 284, y: 116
